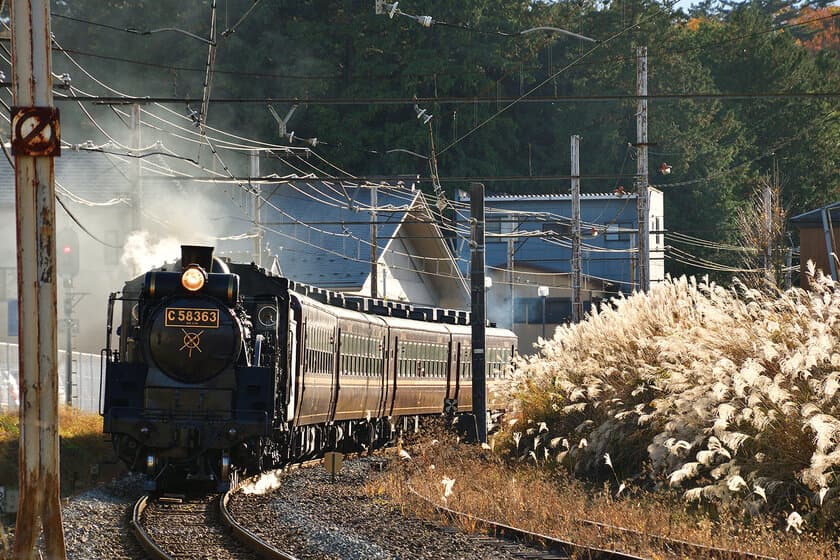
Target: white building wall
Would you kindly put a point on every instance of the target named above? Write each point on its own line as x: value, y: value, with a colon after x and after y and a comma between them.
x: 397, y: 279
x: 656, y: 243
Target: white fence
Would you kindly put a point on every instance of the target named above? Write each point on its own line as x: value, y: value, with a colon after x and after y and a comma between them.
x: 86, y: 379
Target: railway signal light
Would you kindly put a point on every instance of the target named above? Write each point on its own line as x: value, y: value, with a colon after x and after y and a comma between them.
x: 68, y: 253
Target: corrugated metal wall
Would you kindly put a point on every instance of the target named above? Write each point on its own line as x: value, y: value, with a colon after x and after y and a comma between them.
x: 86, y: 379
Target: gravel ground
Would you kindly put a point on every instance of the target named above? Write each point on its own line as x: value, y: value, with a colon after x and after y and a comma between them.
x: 307, y: 515
x: 96, y: 522
x: 320, y: 520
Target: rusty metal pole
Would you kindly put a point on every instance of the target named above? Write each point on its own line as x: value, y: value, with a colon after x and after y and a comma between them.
x: 35, y: 141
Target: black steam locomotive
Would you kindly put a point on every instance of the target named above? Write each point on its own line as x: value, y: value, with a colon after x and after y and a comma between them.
x: 224, y: 369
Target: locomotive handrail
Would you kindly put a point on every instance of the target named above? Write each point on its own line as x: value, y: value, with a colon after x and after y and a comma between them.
x: 109, y: 328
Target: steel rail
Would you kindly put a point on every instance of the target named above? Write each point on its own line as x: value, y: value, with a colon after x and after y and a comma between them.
x: 245, y: 536
x: 677, y: 546
x: 241, y: 533
x: 550, y: 544
x: 143, y: 537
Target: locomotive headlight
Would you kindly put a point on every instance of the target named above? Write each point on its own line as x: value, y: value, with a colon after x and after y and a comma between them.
x: 193, y: 278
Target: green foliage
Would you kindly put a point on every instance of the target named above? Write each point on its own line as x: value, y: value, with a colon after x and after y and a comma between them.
x: 342, y: 50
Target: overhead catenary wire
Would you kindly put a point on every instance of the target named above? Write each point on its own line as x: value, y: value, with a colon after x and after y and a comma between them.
x: 131, y: 30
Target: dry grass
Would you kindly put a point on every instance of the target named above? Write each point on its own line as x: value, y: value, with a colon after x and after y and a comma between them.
x: 86, y: 458
x: 728, y: 396
x: 83, y: 446
x: 549, y: 502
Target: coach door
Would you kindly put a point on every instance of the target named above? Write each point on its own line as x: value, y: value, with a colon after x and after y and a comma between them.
x: 336, y: 368
x: 453, y: 380
x: 390, y: 380
x: 292, y: 369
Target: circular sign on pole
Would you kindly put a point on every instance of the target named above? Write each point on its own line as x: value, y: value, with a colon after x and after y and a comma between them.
x: 35, y: 131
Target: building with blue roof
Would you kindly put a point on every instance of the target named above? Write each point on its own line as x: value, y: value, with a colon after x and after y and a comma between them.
x: 321, y: 234
x: 528, y: 246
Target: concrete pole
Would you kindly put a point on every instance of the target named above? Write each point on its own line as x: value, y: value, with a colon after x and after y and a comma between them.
x: 479, y: 311
x: 137, y: 199
x: 511, y: 291
x: 256, y: 198
x: 374, y: 253
x: 577, y: 304
x: 35, y: 135
x: 767, y: 204
x: 642, y: 201
x: 68, y: 341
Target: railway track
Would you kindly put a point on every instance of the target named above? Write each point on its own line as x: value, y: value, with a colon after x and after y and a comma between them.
x: 675, y: 548
x: 184, y: 528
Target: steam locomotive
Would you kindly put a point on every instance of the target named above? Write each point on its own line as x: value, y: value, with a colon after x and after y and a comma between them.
x: 224, y: 369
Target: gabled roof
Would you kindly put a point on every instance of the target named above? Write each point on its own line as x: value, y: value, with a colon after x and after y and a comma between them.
x: 813, y: 218
x: 323, y: 237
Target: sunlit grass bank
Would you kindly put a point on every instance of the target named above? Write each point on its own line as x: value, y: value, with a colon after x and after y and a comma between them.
x: 83, y: 449
x: 548, y: 501
x: 86, y: 458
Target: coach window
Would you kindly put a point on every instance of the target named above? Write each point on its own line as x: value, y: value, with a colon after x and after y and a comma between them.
x: 372, y: 354
x: 368, y: 356
x: 412, y: 358
x: 354, y: 359
x: 466, y: 362
x: 444, y: 354
x: 347, y: 353
x: 357, y: 355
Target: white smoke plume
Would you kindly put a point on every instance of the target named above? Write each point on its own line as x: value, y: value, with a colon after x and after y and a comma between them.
x: 141, y: 252
x: 265, y: 482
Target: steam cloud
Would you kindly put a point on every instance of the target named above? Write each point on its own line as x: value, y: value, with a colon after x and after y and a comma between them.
x: 142, y: 253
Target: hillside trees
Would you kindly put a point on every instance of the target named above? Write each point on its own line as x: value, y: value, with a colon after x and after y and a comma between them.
x: 341, y: 50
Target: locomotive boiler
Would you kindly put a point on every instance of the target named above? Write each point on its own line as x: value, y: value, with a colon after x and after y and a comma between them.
x: 222, y: 369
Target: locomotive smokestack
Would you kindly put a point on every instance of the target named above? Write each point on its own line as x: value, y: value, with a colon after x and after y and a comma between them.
x: 196, y: 254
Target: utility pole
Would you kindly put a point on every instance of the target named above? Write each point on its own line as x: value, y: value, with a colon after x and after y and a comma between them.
x: 577, y: 304
x: 642, y: 200
x: 767, y: 204
x: 479, y: 312
x: 68, y: 341
x: 256, y: 198
x: 35, y: 142
x: 374, y: 266
x: 137, y: 199
x: 511, y: 293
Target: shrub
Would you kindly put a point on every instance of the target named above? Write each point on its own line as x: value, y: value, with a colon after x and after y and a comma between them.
x: 728, y: 394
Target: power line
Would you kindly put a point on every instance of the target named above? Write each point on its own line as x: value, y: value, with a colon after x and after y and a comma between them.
x: 450, y: 100
x: 412, y: 178
x: 133, y: 30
